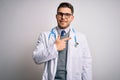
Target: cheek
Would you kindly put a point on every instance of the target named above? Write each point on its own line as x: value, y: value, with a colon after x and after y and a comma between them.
x: 69, y: 21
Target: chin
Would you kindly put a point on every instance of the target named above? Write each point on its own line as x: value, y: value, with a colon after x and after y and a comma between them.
x: 63, y: 26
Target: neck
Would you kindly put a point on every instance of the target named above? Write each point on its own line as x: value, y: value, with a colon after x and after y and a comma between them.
x: 63, y: 27
x: 66, y: 29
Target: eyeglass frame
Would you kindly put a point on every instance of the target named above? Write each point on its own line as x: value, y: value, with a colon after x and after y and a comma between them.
x: 67, y: 15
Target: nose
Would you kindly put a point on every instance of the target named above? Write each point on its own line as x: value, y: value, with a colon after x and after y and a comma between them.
x: 63, y: 16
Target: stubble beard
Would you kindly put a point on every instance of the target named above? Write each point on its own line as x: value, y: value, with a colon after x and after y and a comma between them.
x: 63, y: 27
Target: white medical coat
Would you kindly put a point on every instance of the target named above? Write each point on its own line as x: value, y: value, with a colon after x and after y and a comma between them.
x: 79, y: 62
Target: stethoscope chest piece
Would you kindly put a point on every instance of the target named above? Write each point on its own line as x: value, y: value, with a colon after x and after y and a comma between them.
x: 76, y: 44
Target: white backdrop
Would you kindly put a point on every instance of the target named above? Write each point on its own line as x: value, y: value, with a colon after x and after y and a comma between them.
x: 21, y: 21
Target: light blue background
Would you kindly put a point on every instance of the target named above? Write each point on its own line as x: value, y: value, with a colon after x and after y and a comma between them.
x: 21, y: 22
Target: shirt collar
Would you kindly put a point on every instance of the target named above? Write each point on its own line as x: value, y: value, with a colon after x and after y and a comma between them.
x: 66, y: 30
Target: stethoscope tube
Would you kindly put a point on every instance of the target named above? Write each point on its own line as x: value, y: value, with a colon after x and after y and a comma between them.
x: 52, y: 32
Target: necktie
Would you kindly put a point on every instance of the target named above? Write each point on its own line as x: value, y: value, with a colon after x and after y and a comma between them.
x: 63, y: 33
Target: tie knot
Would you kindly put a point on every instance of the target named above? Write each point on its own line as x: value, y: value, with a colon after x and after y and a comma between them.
x: 63, y: 32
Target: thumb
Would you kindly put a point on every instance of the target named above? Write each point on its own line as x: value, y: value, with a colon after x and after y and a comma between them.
x: 58, y: 38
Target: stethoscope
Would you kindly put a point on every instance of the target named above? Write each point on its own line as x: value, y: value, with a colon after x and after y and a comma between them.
x: 52, y: 32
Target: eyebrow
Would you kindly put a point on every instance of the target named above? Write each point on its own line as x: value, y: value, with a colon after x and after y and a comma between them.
x: 64, y: 13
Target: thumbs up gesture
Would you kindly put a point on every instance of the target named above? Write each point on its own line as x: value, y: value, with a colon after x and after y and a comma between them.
x: 61, y: 43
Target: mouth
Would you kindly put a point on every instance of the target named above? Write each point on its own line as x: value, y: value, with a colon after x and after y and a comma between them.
x: 63, y: 21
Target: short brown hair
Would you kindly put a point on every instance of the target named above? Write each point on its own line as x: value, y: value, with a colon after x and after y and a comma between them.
x: 64, y: 5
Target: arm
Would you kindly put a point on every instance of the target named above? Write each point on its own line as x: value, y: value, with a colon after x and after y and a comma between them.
x: 44, y: 50
x: 87, y: 62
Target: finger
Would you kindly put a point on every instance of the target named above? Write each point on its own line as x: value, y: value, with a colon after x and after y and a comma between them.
x: 65, y: 39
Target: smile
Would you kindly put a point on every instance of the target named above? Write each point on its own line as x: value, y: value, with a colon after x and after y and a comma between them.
x: 63, y: 21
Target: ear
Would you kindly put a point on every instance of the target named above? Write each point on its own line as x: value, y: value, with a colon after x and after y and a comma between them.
x: 56, y: 16
x: 72, y: 17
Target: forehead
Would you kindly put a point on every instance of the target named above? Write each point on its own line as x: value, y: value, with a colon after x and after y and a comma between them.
x: 64, y: 10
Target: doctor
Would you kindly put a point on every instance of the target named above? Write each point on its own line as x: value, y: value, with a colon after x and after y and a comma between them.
x: 63, y: 50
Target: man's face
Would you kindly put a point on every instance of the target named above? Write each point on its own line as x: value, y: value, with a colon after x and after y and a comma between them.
x: 64, y: 17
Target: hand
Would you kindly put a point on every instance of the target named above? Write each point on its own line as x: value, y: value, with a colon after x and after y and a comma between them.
x: 61, y: 43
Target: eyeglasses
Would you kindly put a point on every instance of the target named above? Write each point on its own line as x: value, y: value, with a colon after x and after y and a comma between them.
x: 67, y: 15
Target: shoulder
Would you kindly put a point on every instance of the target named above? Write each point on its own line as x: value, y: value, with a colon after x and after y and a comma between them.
x: 81, y: 35
x: 44, y: 34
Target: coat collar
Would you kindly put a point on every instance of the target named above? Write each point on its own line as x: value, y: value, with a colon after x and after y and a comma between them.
x: 71, y: 35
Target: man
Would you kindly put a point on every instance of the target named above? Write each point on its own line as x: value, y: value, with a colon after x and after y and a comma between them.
x: 63, y: 50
